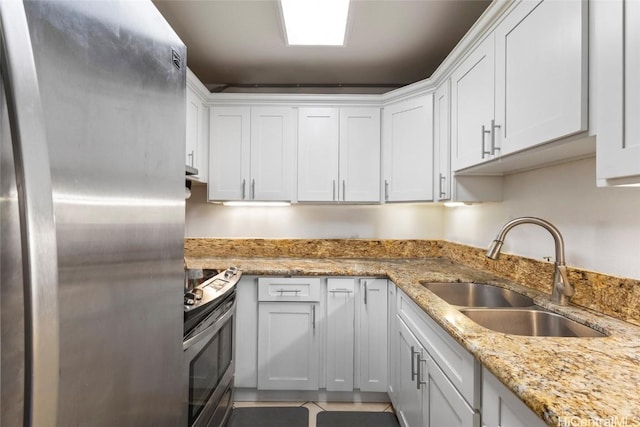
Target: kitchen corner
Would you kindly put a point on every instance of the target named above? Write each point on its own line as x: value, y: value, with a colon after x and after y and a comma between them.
x: 560, y: 379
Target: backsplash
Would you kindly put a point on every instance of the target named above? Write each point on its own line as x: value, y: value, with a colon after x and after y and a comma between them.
x: 614, y: 296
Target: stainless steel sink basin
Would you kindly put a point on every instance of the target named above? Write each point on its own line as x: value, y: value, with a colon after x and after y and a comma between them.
x: 529, y: 322
x: 468, y: 294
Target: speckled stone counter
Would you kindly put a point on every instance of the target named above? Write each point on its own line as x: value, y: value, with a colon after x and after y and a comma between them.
x: 566, y: 381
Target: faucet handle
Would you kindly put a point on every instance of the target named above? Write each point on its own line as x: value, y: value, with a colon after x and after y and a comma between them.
x: 568, y: 289
x: 562, y: 289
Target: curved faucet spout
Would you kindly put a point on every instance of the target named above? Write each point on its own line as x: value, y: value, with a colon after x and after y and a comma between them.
x: 562, y: 289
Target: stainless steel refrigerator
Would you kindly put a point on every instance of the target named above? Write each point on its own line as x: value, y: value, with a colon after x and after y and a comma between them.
x: 92, y: 129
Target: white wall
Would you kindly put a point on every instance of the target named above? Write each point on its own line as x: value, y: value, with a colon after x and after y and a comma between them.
x: 600, y: 226
x: 394, y: 221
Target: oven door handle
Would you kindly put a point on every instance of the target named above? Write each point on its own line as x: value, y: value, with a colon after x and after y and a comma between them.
x: 211, y: 330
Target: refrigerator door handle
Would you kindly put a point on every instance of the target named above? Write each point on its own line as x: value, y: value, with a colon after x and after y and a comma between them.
x: 37, y: 227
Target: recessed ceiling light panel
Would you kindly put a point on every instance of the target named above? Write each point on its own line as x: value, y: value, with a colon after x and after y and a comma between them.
x: 315, y: 22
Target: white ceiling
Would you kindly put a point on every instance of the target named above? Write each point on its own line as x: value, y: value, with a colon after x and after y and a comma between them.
x: 389, y: 42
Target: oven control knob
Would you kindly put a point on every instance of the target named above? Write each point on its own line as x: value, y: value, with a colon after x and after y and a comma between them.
x: 190, y: 298
x: 197, y: 294
x: 231, y: 271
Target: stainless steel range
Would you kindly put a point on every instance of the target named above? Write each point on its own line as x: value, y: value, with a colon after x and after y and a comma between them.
x: 208, y: 349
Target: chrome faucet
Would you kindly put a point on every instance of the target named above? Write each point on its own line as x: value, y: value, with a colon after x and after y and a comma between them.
x: 562, y: 289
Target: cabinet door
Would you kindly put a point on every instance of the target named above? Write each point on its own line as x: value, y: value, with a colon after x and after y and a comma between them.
x: 443, y: 405
x: 272, y: 140
x: 372, y: 327
x: 229, y: 148
x: 502, y: 408
x: 541, y: 73
x: 393, y: 337
x: 472, y: 107
x: 340, y: 334
x: 410, y: 398
x: 442, y: 144
x: 318, y: 132
x: 618, y: 74
x: 359, y: 155
x: 193, y: 108
x: 408, y: 150
x: 246, y: 333
x: 288, y: 346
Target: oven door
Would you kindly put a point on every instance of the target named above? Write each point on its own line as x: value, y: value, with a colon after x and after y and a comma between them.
x: 210, y: 367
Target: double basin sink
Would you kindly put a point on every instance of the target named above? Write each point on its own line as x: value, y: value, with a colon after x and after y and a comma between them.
x: 506, y: 311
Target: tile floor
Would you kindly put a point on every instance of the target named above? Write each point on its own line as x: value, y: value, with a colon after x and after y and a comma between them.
x: 316, y: 407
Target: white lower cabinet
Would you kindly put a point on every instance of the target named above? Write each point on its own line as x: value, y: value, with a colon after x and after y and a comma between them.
x: 312, y: 333
x: 356, y: 328
x: 502, y: 408
x: 437, y: 381
x: 372, y: 335
x: 426, y: 397
x: 392, y: 368
x: 288, y: 346
x: 340, y: 324
x: 288, y: 333
x: 409, y: 402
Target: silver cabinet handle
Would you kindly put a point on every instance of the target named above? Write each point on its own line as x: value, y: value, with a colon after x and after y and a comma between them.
x: 37, y: 226
x: 344, y: 190
x: 313, y: 316
x: 386, y: 190
x: 494, y: 126
x: 191, y: 157
x: 484, y: 131
x: 334, y: 190
x: 341, y: 291
x: 293, y: 291
x: 419, y: 382
x: 253, y: 189
x: 365, y: 292
x: 244, y: 187
x: 413, y: 363
x: 443, y: 179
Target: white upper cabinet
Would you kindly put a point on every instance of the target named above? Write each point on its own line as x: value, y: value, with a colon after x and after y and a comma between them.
x: 447, y: 186
x: 318, y: 151
x: 359, y: 154
x: 339, y: 154
x: 408, y: 150
x: 442, y: 143
x: 197, y: 124
x: 272, y: 141
x: 541, y: 73
x: 251, y: 153
x: 525, y: 85
x: 472, y: 106
x: 229, y: 148
x: 618, y: 74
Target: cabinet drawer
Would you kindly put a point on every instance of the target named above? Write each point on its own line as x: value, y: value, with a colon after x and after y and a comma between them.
x: 288, y: 289
x: 457, y: 363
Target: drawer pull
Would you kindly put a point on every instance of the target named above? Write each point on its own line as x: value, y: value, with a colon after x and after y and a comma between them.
x: 341, y: 291
x: 313, y: 312
x: 413, y: 362
x: 291, y: 291
x: 419, y: 382
x: 366, y: 291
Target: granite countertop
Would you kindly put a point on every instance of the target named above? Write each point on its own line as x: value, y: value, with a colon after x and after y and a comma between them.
x: 566, y: 381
